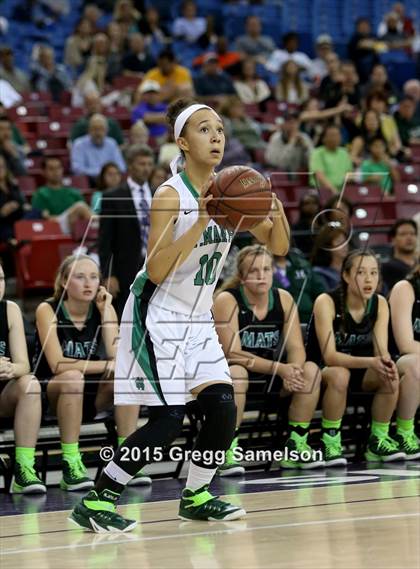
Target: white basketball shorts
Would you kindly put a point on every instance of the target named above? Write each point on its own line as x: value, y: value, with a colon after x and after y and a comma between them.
x: 162, y: 355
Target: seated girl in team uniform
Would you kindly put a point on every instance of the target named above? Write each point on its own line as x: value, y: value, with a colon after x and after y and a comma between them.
x: 20, y: 395
x: 78, y: 332
x: 348, y: 334
x: 405, y: 317
x: 255, y: 322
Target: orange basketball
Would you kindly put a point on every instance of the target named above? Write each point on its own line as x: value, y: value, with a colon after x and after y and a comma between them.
x: 241, y: 198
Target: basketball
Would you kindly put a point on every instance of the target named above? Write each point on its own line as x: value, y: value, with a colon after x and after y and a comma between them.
x: 241, y: 198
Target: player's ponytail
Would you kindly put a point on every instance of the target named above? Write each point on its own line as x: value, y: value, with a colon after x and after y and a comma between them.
x: 236, y: 279
x: 176, y: 109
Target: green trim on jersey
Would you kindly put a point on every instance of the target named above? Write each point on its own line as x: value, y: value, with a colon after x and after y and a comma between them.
x: 189, y: 185
x: 67, y: 315
x: 270, y: 299
x: 139, y: 284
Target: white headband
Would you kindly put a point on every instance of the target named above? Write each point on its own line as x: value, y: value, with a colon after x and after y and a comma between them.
x: 181, y: 119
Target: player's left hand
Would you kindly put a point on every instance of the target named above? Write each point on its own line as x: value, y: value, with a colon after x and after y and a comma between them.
x: 103, y: 299
x: 276, y: 206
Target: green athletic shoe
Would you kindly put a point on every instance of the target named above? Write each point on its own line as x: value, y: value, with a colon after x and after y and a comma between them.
x: 99, y: 516
x: 75, y: 476
x: 299, y: 454
x: 26, y: 481
x: 140, y: 479
x: 332, y: 450
x: 409, y: 444
x: 202, y: 506
x: 230, y: 467
x: 383, y: 449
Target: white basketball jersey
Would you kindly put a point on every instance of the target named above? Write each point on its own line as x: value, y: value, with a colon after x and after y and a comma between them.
x: 188, y: 289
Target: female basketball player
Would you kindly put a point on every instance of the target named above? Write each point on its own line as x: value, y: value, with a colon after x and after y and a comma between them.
x: 169, y: 350
x: 405, y: 316
x: 350, y: 329
x: 254, y: 321
x: 20, y: 395
x: 78, y: 331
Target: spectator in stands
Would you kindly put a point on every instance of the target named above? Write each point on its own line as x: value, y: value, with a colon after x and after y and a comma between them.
x: 117, y: 41
x: 57, y: 201
x: 330, y: 87
x: 403, y: 236
x: 407, y: 123
x: 48, y: 75
x: 78, y: 335
x: 189, y: 27
x: 90, y: 152
x: 109, y: 178
x: 93, y: 105
x: 253, y: 43
x: 212, y: 82
x: 10, y: 73
x: 318, y: 69
x: 174, y: 80
x: 159, y: 176
x: 139, y: 134
x: 295, y: 274
x: 370, y: 129
x: 20, y: 395
x: 309, y: 208
x: 249, y: 87
x: 17, y: 137
x: 314, y: 119
x: 404, y: 24
x: 380, y: 82
x: 11, y: 203
x: 92, y: 13
x: 350, y: 90
x: 79, y: 45
x: 238, y: 124
x: 153, y: 31
x: 290, y: 87
x: 124, y: 225
x: 377, y: 101
x: 361, y: 49
x: 12, y: 154
x: 411, y: 88
x: 379, y: 169
x: 137, y: 61
x: 151, y: 110
x: 103, y: 58
x: 228, y: 60
x: 289, y: 149
x: 168, y: 150
x: 289, y: 52
x: 331, y: 163
x: 328, y: 253
x: 247, y: 310
x: 404, y: 306
x: 348, y: 337
x: 393, y: 34
x: 126, y: 15
x: 338, y: 211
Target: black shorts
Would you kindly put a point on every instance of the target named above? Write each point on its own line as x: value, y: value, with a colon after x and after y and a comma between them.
x: 89, y: 395
x: 263, y: 384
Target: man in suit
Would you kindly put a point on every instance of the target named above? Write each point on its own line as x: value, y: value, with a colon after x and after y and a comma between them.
x: 124, y: 225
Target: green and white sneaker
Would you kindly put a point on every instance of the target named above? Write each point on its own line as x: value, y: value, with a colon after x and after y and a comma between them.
x: 26, y: 481
x: 409, y: 444
x: 140, y: 479
x: 299, y: 454
x: 75, y: 476
x: 203, y: 506
x: 332, y: 450
x: 383, y: 449
x: 99, y: 516
x: 230, y: 467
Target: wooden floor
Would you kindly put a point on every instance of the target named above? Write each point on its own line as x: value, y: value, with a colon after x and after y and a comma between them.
x: 373, y: 525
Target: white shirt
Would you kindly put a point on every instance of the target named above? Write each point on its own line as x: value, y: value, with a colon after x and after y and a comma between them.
x: 280, y: 56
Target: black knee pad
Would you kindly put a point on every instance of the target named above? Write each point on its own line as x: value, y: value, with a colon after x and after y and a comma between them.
x: 218, y: 406
x: 167, y: 420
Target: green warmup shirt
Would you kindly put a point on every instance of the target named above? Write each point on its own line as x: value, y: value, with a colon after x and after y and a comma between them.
x: 370, y: 168
x: 334, y: 165
x: 55, y: 200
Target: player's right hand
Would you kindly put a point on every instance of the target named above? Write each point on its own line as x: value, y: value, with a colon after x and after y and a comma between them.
x: 292, y: 376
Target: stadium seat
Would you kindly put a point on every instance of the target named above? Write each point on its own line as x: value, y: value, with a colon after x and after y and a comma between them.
x: 407, y: 192
x: 27, y: 185
x: 41, y: 248
x: 363, y: 192
x: 409, y: 172
x: 54, y: 129
x: 371, y: 214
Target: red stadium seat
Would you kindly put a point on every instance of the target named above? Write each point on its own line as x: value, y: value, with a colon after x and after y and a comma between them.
x: 370, y: 214
x: 60, y: 113
x: 362, y: 192
x: 41, y: 247
x: 415, y: 153
x: 54, y: 129
x: 406, y: 210
x: 126, y: 82
x: 37, y: 96
x: 409, y: 172
x: 407, y: 192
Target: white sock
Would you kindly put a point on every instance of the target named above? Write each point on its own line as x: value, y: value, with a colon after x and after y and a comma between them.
x: 198, y: 476
x: 117, y: 474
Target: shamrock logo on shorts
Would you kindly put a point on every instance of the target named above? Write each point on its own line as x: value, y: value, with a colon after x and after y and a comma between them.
x: 140, y: 383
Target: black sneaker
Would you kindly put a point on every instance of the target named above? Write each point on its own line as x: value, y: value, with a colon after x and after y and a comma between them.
x: 26, y: 481
x: 383, y: 449
x: 99, y: 516
x: 201, y: 505
x: 75, y: 476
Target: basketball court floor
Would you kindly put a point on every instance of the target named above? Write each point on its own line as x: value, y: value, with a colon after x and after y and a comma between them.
x: 359, y: 517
